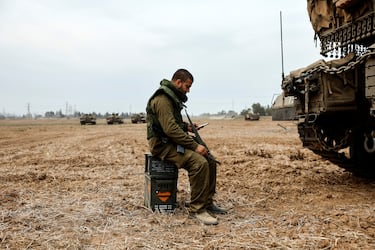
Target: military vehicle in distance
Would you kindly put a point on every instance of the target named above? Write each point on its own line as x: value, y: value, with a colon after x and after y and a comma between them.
x: 251, y: 117
x: 335, y: 100
x: 114, y: 118
x: 87, y: 119
x: 138, y: 118
x: 283, y: 108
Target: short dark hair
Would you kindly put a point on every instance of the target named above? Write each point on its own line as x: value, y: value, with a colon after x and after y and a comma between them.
x: 183, y: 75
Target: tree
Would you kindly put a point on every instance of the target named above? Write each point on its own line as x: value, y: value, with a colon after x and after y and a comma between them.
x: 258, y: 109
x: 268, y: 110
x: 245, y: 111
x: 232, y: 113
x: 49, y: 114
x: 60, y: 114
x: 222, y: 112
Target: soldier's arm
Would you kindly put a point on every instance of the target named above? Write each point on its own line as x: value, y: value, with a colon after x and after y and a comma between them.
x: 163, y: 109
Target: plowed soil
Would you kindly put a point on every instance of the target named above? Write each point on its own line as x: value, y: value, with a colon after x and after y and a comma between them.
x: 67, y: 186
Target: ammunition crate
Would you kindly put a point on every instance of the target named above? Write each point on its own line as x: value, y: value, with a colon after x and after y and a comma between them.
x: 158, y: 168
x: 160, y: 194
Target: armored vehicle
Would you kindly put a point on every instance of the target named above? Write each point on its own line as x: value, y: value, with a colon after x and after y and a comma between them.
x: 283, y: 108
x: 138, y: 118
x: 335, y: 100
x: 114, y: 118
x: 251, y: 117
x: 87, y: 119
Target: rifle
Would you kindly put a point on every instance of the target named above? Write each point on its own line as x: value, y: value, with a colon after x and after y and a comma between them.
x: 199, y: 139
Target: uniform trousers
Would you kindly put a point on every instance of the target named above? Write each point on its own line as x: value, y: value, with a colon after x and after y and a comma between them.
x: 201, y: 172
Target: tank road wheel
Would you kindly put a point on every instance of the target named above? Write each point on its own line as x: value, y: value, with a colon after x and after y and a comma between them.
x: 332, y: 139
x: 363, y: 156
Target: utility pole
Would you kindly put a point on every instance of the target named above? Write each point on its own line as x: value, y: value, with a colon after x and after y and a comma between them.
x: 28, y: 110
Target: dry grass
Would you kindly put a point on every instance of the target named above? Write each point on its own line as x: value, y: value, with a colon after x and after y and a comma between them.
x: 66, y: 186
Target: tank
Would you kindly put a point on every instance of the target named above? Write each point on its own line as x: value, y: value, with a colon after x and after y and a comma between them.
x: 138, y: 118
x: 335, y: 98
x: 114, y: 118
x: 251, y: 117
x: 87, y: 119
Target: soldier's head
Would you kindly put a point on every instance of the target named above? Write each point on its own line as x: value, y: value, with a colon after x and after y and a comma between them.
x: 183, y: 80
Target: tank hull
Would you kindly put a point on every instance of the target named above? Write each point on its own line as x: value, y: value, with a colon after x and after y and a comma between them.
x: 335, y: 104
x: 335, y: 100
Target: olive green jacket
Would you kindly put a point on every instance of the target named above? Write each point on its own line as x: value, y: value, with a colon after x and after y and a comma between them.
x: 165, y: 126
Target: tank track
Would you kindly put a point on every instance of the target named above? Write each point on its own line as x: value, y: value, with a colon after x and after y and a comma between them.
x: 314, y: 141
x: 324, y: 147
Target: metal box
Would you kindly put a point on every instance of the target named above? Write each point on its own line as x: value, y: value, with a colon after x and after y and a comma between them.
x: 160, y: 194
x: 160, y: 188
x: 162, y: 169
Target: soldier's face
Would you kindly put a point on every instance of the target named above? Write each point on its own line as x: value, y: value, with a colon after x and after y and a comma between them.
x: 184, y: 86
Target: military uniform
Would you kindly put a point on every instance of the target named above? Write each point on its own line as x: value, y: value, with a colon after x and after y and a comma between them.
x: 165, y: 130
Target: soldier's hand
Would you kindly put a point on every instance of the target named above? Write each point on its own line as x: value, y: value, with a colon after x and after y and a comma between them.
x: 190, y: 129
x: 201, y: 150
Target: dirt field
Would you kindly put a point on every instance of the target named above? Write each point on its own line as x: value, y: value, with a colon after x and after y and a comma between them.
x: 67, y: 186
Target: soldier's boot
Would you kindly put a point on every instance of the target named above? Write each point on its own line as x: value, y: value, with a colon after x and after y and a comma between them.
x: 215, y: 209
x: 205, y: 218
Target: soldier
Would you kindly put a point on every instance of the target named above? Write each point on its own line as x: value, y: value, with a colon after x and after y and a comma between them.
x: 168, y: 139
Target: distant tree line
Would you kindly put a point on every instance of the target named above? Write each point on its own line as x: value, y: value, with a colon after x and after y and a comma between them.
x: 256, y: 108
x: 59, y: 114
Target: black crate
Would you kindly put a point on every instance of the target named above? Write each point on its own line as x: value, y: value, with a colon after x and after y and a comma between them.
x: 160, y: 194
x: 162, y: 169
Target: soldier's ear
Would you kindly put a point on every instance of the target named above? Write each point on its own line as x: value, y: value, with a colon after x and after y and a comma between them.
x: 178, y: 83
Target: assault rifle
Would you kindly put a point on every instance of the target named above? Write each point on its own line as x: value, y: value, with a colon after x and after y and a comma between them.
x: 199, y: 139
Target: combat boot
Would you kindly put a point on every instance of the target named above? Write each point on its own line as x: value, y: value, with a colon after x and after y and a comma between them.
x: 205, y: 218
x: 215, y: 209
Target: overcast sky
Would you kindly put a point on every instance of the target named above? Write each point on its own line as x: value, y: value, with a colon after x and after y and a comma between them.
x: 109, y: 56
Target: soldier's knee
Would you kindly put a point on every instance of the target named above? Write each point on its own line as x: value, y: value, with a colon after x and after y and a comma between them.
x: 198, y: 163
